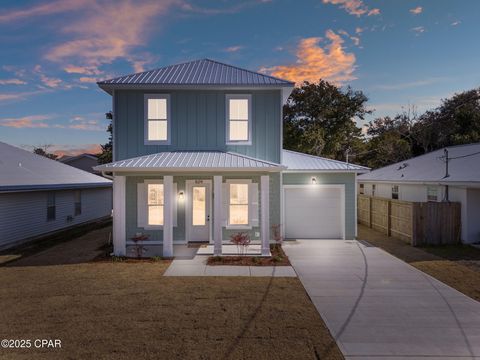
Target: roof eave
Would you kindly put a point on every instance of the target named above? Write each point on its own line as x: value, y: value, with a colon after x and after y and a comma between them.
x: 356, y: 171
x: 188, y: 169
x: 25, y: 188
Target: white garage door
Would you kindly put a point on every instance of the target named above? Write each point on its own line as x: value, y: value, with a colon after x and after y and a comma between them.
x: 314, y: 212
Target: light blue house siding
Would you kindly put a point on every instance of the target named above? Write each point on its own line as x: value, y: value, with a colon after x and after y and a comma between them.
x: 179, y: 230
x: 198, y: 123
x: 347, y: 179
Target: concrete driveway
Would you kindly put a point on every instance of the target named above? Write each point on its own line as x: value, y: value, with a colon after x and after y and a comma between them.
x: 377, y: 306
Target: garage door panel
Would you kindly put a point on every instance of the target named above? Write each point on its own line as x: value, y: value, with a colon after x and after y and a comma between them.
x: 313, y: 212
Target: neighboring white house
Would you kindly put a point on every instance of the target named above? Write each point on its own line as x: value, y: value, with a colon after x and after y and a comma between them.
x: 39, y: 196
x: 84, y: 162
x: 428, y: 178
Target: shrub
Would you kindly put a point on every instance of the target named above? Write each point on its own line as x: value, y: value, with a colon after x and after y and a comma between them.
x: 242, y: 240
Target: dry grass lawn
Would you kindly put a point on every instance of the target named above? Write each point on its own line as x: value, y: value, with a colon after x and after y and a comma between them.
x: 107, y: 310
x: 455, y: 265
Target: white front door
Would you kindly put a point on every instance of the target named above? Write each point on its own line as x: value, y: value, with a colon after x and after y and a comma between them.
x: 199, y: 195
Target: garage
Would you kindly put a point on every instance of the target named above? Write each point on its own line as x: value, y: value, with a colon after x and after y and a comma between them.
x: 314, y: 211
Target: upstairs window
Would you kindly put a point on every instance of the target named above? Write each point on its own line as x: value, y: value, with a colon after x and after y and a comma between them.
x: 432, y: 193
x: 239, y: 119
x: 157, y: 119
x: 51, y: 208
x: 78, y: 202
x: 395, y: 192
x: 362, y: 189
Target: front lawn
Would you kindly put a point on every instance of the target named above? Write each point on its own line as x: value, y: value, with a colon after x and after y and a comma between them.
x: 113, y: 310
x: 455, y: 265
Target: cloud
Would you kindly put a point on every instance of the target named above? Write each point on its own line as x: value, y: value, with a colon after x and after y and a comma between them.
x: 235, y: 48
x: 51, y: 8
x: 359, y: 30
x: 84, y: 70
x: 355, y: 39
x: 354, y: 7
x: 412, y: 84
x: 46, y: 80
x: 417, y: 10
x: 12, y: 82
x: 73, y: 150
x: 32, y: 121
x: 22, y: 95
x: 418, y: 30
x: 81, y: 123
x: 455, y: 23
x: 331, y: 63
x: 86, y: 79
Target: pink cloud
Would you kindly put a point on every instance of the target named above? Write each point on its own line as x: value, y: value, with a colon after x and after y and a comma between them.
x: 331, y: 62
x: 354, y: 7
x: 73, y: 150
x: 32, y: 121
x: 417, y: 10
x: 84, y: 70
x: 235, y: 48
x: 50, y: 8
x: 86, y: 79
x: 12, y: 82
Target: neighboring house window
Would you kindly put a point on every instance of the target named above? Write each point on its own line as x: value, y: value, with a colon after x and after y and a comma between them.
x: 51, y: 208
x: 239, y: 119
x: 157, y: 119
x: 155, y: 204
x: 238, y: 204
x: 432, y: 193
x: 362, y: 189
x: 373, y: 189
x: 395, y: 192
x: 78, y: 202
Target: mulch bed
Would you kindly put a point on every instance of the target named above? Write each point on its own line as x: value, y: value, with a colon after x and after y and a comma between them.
x: 278, y: 258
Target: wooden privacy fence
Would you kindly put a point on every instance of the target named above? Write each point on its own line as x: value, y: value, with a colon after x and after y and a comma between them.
x: 418, y: 223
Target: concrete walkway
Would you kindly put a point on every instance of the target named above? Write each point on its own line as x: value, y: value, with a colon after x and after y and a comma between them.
x: 197, y: 266
x: 378, y: 307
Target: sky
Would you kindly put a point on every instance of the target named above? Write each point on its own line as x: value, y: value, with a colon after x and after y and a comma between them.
x: 400, y: 53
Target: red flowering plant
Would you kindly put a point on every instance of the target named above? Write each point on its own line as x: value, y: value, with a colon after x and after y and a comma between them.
x: 242, y: 240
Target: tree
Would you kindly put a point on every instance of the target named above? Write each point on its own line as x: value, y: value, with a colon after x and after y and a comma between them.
x: 320, y: 119
x: 42, y: 150
x: 106, y: 155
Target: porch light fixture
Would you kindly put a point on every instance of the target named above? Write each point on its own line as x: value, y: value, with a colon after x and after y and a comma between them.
x: 181, y: 195
x: 314, y: 180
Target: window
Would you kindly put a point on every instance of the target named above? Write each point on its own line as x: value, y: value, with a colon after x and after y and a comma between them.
x: 432, y: 193
x: 155, y: 204
x: 78, y: 202
x: 239, y: 113
x: 395, y: 192
x: 238, y: 204
x: 362, y: 189
x: 51, y: 206
x: 199, y: 205
x: 157, y: 119
x: 373, y: 189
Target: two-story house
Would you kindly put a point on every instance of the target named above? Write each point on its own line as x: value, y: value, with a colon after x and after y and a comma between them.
x: 197, y: 156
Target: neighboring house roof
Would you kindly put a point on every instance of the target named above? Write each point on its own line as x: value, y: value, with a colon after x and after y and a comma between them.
x: 191, y: 160
x: 463, y: 167
x: 197, y: 73
x: 66, y: 159
x: 296, y: 161
x: 21, y: 170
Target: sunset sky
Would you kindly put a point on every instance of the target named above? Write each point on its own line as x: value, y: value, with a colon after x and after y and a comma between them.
x: 399, y: 52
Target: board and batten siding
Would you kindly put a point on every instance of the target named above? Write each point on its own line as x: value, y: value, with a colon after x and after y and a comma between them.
x: 347, y: 179
x: 23, y: 215
x: 179, y: 230
x: 198, y: 121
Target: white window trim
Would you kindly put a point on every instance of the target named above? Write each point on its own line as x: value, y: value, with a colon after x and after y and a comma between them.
x: 145, y: 120
x: 430, y: 187
x: 228, y: 97
x: 243, y: 226
x: 147, y: 225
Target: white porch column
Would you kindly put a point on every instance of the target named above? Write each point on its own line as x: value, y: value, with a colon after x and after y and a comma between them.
x: 168, y: 199
x: 217, y: 215
x: 119, y: 215
x: 265, y: 214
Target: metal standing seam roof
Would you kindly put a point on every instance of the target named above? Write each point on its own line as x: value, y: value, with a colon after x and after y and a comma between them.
x: 295, y: 161
x: 464, y: 167
x: 198, y: 72
x: 190, y: 160
x: 23, y: 170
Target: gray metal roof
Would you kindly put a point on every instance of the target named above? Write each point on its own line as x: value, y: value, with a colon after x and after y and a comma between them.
x: 296, y: 161
x: 198, y: 72
x: 464, y: 167
x: 21, y: 170
x: 191, y: 161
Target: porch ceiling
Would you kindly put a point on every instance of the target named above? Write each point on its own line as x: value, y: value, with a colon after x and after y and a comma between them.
x: 191, y: 161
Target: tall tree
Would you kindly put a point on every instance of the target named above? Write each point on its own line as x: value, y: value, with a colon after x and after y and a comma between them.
x: 42, y: 150
x: 106, y: 155
x: 320, y: 119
